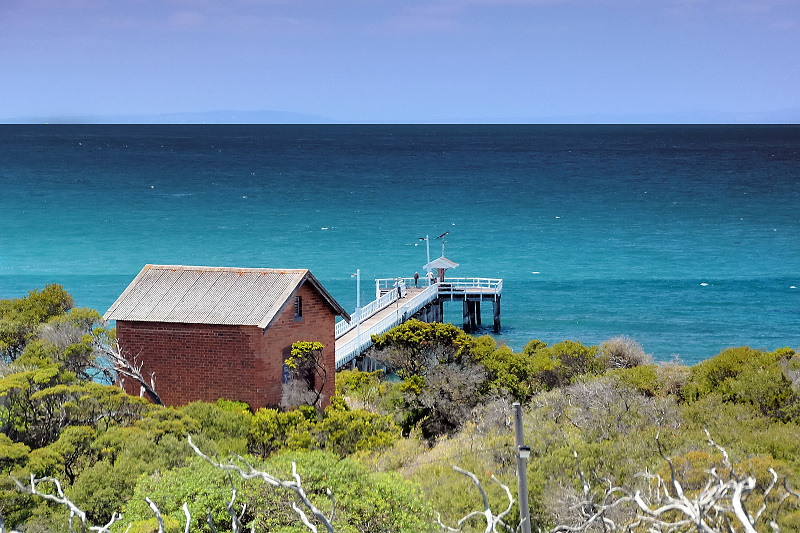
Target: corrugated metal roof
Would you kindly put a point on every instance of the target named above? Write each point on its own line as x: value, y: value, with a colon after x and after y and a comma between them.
x: 211, y: 295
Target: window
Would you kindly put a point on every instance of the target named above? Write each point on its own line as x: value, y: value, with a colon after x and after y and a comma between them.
x: 298, y: 308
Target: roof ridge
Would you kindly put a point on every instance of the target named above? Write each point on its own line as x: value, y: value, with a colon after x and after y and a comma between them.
x: 226, y: 269
x: 227, y: 295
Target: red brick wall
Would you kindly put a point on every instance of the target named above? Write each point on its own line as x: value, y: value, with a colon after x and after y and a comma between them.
x: 207, y: 362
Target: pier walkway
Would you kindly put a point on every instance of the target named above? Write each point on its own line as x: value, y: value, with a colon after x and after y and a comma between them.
x: 394, y: 305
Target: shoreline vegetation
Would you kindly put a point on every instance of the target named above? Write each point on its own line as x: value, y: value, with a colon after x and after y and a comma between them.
x: 605, y: 424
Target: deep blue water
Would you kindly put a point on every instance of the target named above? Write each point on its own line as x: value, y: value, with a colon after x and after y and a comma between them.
x: 686, y: 238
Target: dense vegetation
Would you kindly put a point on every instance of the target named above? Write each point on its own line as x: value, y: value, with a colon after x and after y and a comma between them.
x: 384, y: 446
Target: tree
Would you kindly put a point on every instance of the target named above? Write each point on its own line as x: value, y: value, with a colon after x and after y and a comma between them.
x: 442, y: 380
x: 20, y: 318
x: 415, y: 347
x: 308, y: 375
x: 116, y: 366
x: 492, y: 520
x: 748, y: 376
x: 666, y: 505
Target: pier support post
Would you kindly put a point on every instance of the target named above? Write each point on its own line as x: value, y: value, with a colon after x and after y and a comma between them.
x: 466, y: 317
x: 473, y: 326
x: 478, y: 311
x: 496, y: 309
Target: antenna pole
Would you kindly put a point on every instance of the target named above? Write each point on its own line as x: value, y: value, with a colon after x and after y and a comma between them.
x: 523, y: 452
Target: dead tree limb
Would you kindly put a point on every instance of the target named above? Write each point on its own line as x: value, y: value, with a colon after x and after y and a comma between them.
x: 185, y: 508
x: 60, y: 498
x: 492, y: 520
x: 74, y: 511
x: 123, y: 367
x: 248, y: 472
x: 159, y: 518
x: 718, y: 506
x: 105, y: 529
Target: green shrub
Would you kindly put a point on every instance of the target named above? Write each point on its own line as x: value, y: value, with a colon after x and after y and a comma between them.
x: 345, y: 432
x: 171, y: 525
x: 200, y: 485
x: 272, y: 430
x: 623, y: 352
x: 643, y: 379
x: 226, y: 422
x: 21, y: 317
x: 745, y: 375
x: 508, y: 373
x: 560, y: 364
x: 366, y: 502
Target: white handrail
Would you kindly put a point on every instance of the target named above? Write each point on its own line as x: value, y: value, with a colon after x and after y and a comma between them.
x: 384, y: 285
x: 387, y: 283
x: 367, y: 311
x: 450, y: 287
x: 348, y: 351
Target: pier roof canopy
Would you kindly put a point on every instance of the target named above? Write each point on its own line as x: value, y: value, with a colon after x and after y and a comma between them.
x: 441, y: 262
x: 213, y: 295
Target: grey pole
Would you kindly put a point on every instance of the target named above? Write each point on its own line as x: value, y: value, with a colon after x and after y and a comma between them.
x: 428, y: 247
x: 358, y: 308
x: 523, y: 452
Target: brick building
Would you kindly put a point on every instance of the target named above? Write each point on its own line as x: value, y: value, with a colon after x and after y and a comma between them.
x: 210, y: 333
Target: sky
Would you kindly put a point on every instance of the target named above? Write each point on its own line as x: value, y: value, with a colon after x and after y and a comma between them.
x: 402, y: 61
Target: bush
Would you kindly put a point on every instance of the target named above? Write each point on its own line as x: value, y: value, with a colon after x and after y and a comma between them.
x: 226, y: 422
x: 366, y: 502
x: 21, y: 317
x: 508, y: 373
x: 644, y: 379
x: 345, y: 432
x: 414, y: 347
x: 272, y: 430
x: 363, y: 389
x: 560, y: 364
x: 623, y: 352
x: 745, y: 375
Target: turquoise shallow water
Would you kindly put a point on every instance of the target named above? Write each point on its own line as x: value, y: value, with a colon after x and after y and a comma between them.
x: 682, y: 237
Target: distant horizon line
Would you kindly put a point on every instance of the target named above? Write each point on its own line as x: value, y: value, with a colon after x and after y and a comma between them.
x: 786, y: 117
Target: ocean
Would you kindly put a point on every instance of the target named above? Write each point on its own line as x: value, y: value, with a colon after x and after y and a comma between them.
x: 685, y: 238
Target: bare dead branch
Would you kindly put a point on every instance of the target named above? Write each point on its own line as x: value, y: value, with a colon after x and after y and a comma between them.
x: 236, y: 523
x: 61, y: 499
x: 296, y: 486
x: 159, y: 518
x: 767, y: 492
x: 115, y: 516
x: 492, y: 520
x: 123, y: 367
x: 188, y: 516
x: 725, y: 458
x: 718, y: 506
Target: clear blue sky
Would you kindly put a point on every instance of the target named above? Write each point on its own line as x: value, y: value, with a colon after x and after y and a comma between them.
x: 403, y: 61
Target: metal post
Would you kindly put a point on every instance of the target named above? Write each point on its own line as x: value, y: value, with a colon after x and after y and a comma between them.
x: 358, y: 307
x: 523, y: 452
x: 428, y: 246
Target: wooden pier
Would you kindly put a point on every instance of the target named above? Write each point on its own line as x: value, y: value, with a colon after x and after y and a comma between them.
x: 397, y: 300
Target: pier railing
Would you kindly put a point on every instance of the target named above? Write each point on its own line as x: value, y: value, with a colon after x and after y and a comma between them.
x: 387, y: 285
x: 387, y: 293
x: 346, y: 352
x: 367, y: 311
x: 452, y: 287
